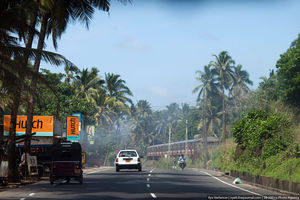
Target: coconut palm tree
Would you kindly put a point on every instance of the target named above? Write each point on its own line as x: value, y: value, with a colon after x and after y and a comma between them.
x: 88, y: 83
x: 117, y: 97
x: 161, y: 125
x: 207, y: 90
x: 70, y: 71
x: 241, y: 79
x: 105, y: 115
x: 174, y: 117
x: 208, y: 86
x: 116, y: 89
x: 16, y: 20
x: 141, y: 127
x: 239, y: 89
x: 54, y: 17
x: 223, y: 67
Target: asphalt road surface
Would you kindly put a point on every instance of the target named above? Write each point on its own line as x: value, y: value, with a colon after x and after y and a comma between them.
x: 131, y: 184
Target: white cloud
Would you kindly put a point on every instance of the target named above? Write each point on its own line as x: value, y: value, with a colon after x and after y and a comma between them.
x: 158, y: 91
x: 133, y: 45
x: 204, y: 35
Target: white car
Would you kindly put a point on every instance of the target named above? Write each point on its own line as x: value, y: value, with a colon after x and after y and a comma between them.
x: 128, y: 159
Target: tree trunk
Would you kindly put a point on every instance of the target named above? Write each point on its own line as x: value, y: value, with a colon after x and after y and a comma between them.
x: 105, y: 159
x: 205, y: 136
x: 223, y: 120
x: 12, y: 165
x: 31, y: 102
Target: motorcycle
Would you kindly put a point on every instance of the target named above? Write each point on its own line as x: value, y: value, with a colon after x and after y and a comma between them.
x: 182, y: 164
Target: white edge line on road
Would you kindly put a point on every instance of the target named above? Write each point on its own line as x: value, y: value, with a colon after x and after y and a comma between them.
x: 230, y: 184
x: 153, y: 195
x: 31, y: 194
x: 99, y: 170
x: 22, y: 198
x: 93, y: 172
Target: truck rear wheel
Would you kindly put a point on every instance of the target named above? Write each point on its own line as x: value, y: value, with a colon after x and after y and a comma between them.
x: 81, y: 180
x: 51, y: 180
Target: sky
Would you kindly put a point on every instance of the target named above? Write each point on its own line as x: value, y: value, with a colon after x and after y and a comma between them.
x: 158, y: 45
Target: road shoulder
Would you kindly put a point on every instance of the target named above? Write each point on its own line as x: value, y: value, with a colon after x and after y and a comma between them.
x: 259, y: 189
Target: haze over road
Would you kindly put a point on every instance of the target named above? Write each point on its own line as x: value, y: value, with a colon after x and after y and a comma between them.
x: 130, y: 184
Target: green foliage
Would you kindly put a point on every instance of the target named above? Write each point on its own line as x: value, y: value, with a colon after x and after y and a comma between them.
x: 289, y: 73
x: 262, y: 135
x: 165, y: 163
x: 57, y: 98
x: 283, y: 168
x: 265, y: 146
x: 268, y: 89
x: 244, y: 129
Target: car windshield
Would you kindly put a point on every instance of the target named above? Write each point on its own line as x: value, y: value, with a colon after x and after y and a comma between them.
x: 128, y: 154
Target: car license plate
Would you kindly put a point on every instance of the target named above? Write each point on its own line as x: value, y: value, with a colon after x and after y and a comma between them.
x: 77, y: 171
x: 127, y: 160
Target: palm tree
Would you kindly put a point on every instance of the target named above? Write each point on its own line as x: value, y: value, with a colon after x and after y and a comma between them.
x: 15, y: 20
x: 117, y: 96
x: 174, y: 116
x: 239, y: 86
x: 208, y: 86
x: 88, y: 83
x: 141, y: 126
x: 206, y: 92
x: 70, y: 71
x: 161, y: 125
x: 223, y: 67
x: 54, y: 17
x: 116, y: 89
x: 105, y: 115
x: 239, y: 89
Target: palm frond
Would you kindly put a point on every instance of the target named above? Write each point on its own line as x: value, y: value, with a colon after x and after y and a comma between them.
x: 47, y: 56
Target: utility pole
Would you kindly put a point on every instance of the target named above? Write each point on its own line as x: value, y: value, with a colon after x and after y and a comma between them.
x: 186, y: 137
x: 169, y: 151
x: 153, y: 148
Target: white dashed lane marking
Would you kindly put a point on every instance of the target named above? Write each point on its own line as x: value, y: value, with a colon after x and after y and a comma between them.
x: 153, y: 195
x: 31, y: 194
x: 148, y: 185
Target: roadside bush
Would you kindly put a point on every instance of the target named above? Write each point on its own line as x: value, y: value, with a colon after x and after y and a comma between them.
x: 165, y: 163
x: 282, y: 167
x: 258, y: 134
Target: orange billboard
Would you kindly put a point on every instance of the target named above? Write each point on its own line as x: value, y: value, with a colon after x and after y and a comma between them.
x: 42, y: 125
x: 72, y: 128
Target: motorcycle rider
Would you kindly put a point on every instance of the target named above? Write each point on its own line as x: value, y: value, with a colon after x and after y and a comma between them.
x: 182, y: 162
x: 174, y: 163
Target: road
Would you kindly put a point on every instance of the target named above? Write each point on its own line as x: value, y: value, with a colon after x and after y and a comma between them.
x: 130, y: 184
